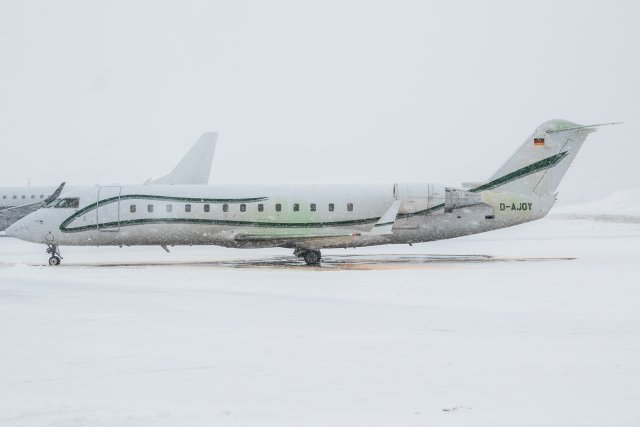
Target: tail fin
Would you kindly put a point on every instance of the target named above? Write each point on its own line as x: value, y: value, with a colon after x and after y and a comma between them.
x: 195, y: 166
x: 540, y: 163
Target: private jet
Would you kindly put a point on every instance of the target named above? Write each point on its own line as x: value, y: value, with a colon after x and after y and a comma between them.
x: 309, y: 218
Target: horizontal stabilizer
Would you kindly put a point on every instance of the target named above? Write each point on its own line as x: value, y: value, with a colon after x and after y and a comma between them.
x: 195, y: 166
x: 582, y: 127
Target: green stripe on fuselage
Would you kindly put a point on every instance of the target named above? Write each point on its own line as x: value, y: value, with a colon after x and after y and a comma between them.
x: 180, y: 199
x: 103, y: 202
x: 422, y: 212
x: 520, y: 173
x: 64, y: 226
x: 202, y: 221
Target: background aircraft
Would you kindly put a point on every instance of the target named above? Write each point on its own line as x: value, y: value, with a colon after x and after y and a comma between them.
x: 193, y: 169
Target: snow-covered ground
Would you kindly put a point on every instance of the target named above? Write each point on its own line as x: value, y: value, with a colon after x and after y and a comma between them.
x: 621, y: 206
x: 543, y: 330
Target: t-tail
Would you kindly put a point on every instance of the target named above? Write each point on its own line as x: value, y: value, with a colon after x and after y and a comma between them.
x: 524, y: 187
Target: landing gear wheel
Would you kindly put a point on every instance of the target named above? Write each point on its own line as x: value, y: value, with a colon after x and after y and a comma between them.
x: 55, y: 254
x: 312, y: 257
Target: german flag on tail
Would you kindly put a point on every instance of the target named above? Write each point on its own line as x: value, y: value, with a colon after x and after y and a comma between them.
x: 538, y: 142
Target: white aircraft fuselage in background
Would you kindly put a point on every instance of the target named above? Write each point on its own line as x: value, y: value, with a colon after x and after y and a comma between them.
x: 311, y: 217
x: 11, y: 197
x: 193, y: 168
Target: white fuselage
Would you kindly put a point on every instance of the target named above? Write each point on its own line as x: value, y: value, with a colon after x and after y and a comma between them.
x: 315, y: 216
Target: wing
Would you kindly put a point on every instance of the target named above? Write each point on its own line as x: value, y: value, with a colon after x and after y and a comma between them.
x: 386, y: 221
x: 278, y: 236
x: 307, y: 237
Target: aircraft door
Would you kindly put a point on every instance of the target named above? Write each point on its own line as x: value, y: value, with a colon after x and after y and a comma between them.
x: 108, y: 208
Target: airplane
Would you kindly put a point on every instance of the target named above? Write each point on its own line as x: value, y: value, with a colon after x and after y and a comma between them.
x: 194, y: 168
x: 309, y: 218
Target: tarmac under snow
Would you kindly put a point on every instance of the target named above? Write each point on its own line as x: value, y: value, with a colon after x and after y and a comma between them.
x: 534, y: 325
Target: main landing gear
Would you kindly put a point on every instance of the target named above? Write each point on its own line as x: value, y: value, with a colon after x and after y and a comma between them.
x: 310, y: 256
x: 55, y: 255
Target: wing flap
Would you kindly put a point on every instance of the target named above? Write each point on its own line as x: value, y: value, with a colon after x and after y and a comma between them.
x: 296, y: 236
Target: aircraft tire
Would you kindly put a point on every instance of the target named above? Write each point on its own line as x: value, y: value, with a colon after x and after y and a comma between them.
x: 54, y: 260
x: 312, y: 257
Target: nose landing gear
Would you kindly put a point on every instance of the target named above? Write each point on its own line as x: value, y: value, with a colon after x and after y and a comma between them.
x: 310, y: 256
x: 55, y: 255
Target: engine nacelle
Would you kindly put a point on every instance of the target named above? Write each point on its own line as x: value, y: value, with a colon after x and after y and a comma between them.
x: 456, y: 198
x: 418, y: 196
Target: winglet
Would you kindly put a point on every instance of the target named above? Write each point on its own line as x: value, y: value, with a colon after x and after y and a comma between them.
x: 54, y: 195
x: 386, y: 221
x: 195, y: 166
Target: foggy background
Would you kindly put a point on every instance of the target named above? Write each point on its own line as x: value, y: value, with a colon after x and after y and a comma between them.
x: 314, y: 92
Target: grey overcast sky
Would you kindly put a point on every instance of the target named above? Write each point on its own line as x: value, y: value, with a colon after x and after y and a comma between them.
x: 314, y: 92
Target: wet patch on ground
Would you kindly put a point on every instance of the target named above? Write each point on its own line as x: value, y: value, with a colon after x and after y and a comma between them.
x: 334, y: 262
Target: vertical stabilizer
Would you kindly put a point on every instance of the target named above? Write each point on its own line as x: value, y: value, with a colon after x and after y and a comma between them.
x: 538, y: 166
x: 195, y: 166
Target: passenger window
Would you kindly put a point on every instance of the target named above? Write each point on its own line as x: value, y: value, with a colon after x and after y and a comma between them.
x: 312, y: 207
x: 296, y: 207
x: 225, y: 208
x: 207, y: 207
x: 243, y: 207
x: 4, y: 197
x: 169, y: 208
x: 132, y: 208
x: 33, y: 196
x: 15, y: 197
x: 331, y: 207
x: 42, y: 196
x: 149, y: 208
x: 187, y: 208
x: 278, y: 207
x: 23, y: 196
x: 350, y: 207
x: 260, y: 207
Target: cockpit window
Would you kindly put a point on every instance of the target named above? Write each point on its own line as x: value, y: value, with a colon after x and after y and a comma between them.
x: 70, y: 202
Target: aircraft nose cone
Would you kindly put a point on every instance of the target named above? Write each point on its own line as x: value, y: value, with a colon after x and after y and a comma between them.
x: 16, y: 230
x: 11, y: 231
x: 20, y: 230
